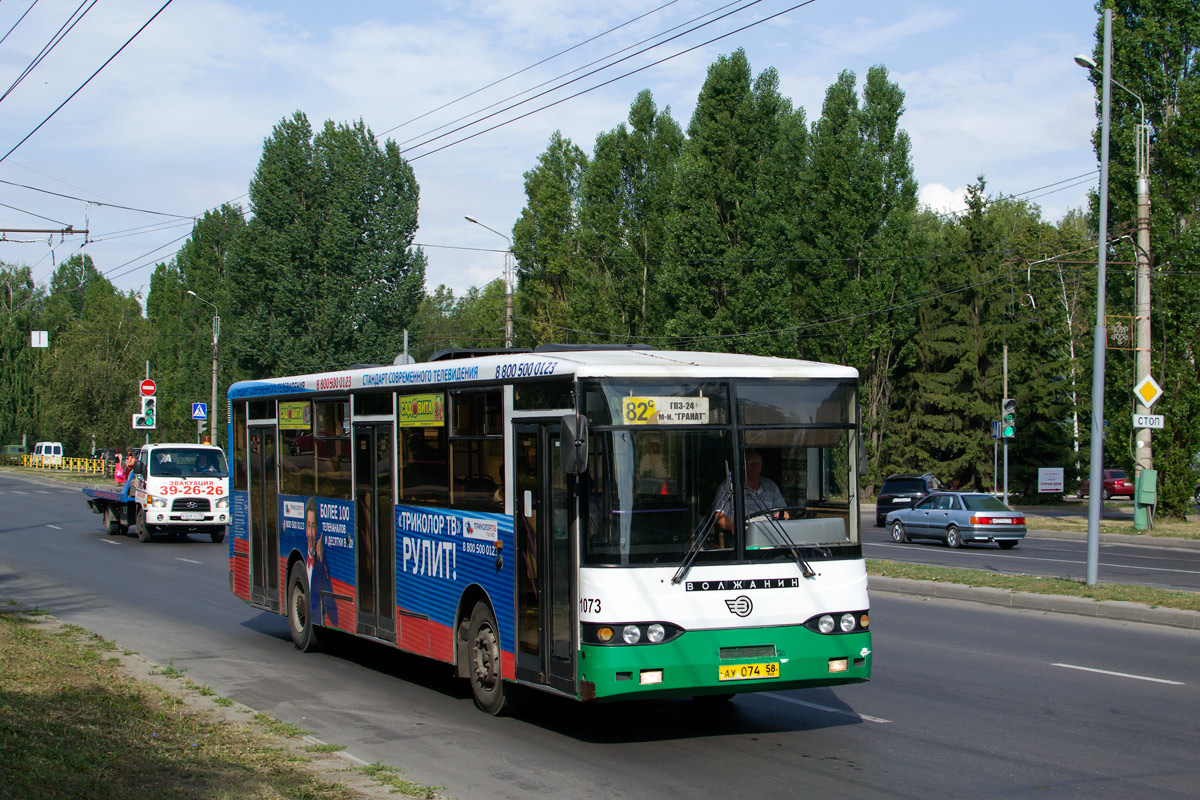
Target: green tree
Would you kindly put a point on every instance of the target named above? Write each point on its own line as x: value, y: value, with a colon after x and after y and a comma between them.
x: 546, y: 243
x: 858, y: 230
x: 325, y: 274
x: 181, y: 346
x: 727, y: 273
x: 21, y: 303
x: 1156, y: 53
x: 626, y: 196
x: 96, y: 360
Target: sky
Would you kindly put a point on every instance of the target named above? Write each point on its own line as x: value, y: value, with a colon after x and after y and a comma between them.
x: 174, y: 124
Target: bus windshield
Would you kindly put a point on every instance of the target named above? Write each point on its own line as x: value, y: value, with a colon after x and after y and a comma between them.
x: 775, y: 483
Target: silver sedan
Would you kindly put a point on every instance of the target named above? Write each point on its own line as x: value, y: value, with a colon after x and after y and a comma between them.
x: 958, y: 518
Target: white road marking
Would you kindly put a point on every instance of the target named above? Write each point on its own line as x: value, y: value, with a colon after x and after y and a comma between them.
x: 109, y: 541
x: 48, y: 525
x: 1009, y: 556
x: 188, y: 560
x: 1120, y: 674
x: 829, y: 709
x: 18, y: 491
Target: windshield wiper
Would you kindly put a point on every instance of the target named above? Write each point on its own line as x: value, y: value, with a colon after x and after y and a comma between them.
x: 701, y: 533
x: 776, y: 530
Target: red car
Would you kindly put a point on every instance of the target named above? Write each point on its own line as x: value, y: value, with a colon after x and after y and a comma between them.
x: 1116, y: 484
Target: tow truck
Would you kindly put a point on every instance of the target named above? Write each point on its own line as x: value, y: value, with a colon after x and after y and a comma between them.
x: 174, y: 489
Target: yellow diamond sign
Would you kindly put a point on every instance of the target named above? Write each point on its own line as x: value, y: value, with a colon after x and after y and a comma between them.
x: 1148, y: 391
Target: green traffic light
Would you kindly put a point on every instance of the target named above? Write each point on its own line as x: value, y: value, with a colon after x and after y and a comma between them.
x: 1010, y: 430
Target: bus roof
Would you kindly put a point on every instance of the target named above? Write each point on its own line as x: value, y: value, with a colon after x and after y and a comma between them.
x: 514, y: 367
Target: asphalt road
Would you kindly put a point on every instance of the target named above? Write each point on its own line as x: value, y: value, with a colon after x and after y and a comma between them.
x: 967, y: 700
x: 1167, y: 565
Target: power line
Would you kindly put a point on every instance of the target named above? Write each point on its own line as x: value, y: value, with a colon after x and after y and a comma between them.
x: 84, y: 199
x: 18, y: 22
x: 605, y: 83
x: 89, y: 80
x: 58, y: 36
x: 570, y: 72
x: 531, y: 66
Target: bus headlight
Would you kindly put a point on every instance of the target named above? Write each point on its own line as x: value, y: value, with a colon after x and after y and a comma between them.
x: 839, y: 622
x: 629, y: 633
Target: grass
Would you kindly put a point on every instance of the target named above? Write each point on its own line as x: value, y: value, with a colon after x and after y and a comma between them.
x: 1177, y: 529
x: 73, y: 725
x: 391, y: 777
x: 1164, y: 598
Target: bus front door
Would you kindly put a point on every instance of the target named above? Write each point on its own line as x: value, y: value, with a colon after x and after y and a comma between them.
x: 375, y: 531
x: 264, y: 522
x: 544, y: 519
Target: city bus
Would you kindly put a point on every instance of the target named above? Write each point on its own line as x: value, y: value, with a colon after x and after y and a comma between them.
x: 600, y: 523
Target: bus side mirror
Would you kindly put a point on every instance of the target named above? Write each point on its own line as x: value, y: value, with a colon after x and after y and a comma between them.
x: 573, y: 439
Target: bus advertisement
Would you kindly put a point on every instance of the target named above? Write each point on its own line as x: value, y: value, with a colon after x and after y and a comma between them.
x: 599, y: 523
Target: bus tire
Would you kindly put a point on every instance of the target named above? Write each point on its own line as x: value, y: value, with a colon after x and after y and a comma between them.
x: 143, y: 530
x: 217, y: 536
x: 299, y: 608
x: 483, y: 669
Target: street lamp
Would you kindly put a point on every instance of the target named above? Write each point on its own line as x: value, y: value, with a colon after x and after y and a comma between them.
x: 508, y: 281
x: 1095, y: 471
x: 1143, y: 456
x: 216, y: 328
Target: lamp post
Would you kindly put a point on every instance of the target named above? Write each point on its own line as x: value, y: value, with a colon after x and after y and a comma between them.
x: 1143, y: 456
x: 1095, y: 471
x: 508, y: 281
x: 216, y: 328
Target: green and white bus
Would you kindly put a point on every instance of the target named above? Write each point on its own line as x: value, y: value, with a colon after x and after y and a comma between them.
x: 600, y: 523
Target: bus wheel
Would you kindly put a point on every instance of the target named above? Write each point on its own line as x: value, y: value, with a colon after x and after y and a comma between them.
x: 217, y: 536
x: 484, y: 667
x: 143, y: 530
x: 300, y: 624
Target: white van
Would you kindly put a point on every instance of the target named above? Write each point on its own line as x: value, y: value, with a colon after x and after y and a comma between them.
x: 48, y: 454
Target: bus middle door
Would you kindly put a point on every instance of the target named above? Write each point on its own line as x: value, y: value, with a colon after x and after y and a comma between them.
x: 544, y: 519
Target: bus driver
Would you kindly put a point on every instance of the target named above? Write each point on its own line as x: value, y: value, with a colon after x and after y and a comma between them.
x: 759, y: 494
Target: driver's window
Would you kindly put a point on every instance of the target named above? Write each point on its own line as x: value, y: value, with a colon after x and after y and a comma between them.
x: 927, y: 503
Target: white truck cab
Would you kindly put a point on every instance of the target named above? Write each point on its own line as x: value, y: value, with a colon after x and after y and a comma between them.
x: 181, y: 488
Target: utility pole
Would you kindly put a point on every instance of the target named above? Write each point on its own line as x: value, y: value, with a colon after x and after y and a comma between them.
x: 1143, y: 458
x: 1006, y: 440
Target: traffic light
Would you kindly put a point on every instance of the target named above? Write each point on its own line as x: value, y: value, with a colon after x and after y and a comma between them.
x: 1008, y: 418
x: 145, y: 420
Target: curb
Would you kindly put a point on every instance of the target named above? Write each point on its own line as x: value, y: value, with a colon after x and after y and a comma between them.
x: 1118, y: 538
x: 1118, y: 610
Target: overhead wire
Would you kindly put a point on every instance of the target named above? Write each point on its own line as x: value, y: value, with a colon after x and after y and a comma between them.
x: 58, y: 36
x: 498, y: 81
x: 18, y: 22
x: 86, y: 82
x: 568, y: 73
x: 604, y: 83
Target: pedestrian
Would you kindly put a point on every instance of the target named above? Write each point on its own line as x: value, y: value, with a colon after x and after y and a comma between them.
x: 119, y: 470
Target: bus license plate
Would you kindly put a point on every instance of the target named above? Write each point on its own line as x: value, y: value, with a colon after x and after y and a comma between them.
x: 191, y: 515
x: 748, y: 672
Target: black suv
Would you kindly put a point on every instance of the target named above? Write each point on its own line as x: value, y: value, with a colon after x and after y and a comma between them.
x: 901, y: 491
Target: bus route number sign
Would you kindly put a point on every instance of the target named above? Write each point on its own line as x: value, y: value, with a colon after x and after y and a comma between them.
x: 748, y: 672
x: 664, y: 410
